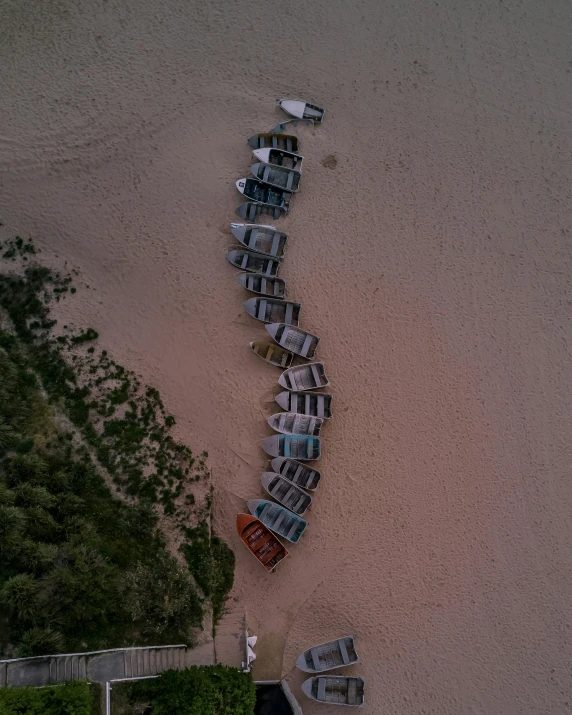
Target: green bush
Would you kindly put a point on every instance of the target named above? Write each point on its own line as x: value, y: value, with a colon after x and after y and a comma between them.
x: 69, y: 699
x: 205, y: 690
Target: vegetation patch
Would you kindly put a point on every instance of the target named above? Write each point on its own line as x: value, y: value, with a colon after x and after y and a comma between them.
x: 205, y: 690
x: 79, y: 568
x: 72, y: 699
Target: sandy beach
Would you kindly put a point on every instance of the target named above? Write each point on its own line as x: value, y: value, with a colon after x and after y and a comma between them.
x: 430, y: 246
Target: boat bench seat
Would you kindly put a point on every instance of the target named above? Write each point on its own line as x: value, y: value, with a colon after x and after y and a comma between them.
x: 275, y: 244
x: 292, y: 530
x: 306, y: 346
x: 265, y: 511
x: 321, y: 689
x: 279, y: 521
x: 297, y: 474
x: 298, y: 504
x: 344, y: 652
x: 316, y: 374
x: 315, y: 658
x: 261, y: 312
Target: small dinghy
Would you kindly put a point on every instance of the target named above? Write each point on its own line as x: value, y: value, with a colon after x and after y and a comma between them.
x: 285, y: 179
x: 294, y: 339
x: 304, y: 377
x: 260, y: 238
x: 316, y: 404
x: 289, y: 495
x: 253, y: 262
x: 259, y: 283
x: 260, y: 541
x: 250, y: 211
x: 276, y: 157
x: 335, y: 690
x: 304, y: 449
x: 279, y: 519
x: 289, y: 423
x: 301, y: 110
x: 273, y: 354
x: 272, y: 310
x: 264, y: 193
x: 296, y: 472
x: 330, y: 655
x: 284, y: 142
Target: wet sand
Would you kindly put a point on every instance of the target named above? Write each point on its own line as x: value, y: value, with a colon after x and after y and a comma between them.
x: 433, y: 259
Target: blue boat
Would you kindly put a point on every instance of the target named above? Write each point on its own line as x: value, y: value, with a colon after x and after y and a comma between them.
x: 294, y: 446
x: 279, y: 519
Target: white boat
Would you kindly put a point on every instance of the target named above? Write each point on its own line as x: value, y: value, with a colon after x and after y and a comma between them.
x: 316, y: 404
x: 335, y: 690
x: 277, y: 157
x: 290, y: 423
x: 261, y: 238
x: 286, y: 493
x: 277, y: 176
x: 301, y: 110
x: 328, y: 656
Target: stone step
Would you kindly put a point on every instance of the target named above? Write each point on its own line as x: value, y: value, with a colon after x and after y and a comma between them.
x: 65, y: 668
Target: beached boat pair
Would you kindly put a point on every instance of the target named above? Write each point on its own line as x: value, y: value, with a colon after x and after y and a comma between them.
x: 332, y: 689
x: 292, y: 341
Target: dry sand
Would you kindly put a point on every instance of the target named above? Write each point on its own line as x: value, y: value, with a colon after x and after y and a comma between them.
x: 434, y: 260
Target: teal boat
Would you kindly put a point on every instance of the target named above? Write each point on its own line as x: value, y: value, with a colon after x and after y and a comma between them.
x: 280, y: 520
x: 294, y: 446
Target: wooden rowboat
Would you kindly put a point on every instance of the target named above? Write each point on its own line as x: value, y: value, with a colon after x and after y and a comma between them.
x: 299, y: 447
x: 272, y: 310
x: 273, y: 354
x: 301, y: 110
x: 286, y: 179
x: 315, y: 404
x: 259, y: 283
x: 288, y: 494
x: 289, y: 423
x: 260, y: 541
x: 277, y: 157
x: 304, y: 377
x: 296, y: 472
x: 335, y: 690
x: 253, y: 262
x: 284, y: 142
x: 330, y: 655
x: 279, y: 519
x: 264, y: 193
x: 294, y: 339
x: 261, y: 239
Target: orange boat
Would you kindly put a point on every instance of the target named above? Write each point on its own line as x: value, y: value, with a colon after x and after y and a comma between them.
x: 260, y: 541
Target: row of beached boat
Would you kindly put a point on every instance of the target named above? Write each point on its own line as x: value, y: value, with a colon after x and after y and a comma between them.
x: 275, y: 178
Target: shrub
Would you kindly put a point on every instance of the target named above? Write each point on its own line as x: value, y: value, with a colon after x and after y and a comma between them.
x: 71, y: 699
x: 204, y: 690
